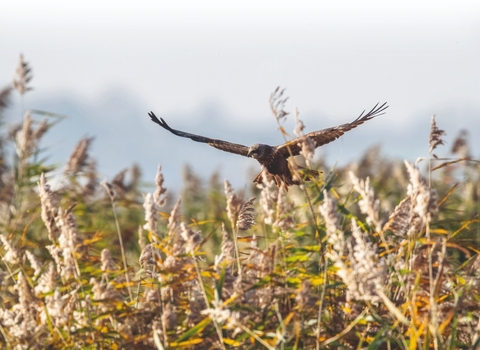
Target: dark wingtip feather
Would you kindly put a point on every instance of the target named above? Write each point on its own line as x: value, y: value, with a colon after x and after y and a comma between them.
x: 160, y: 121
x: 153, y: 117
x: 374, y: 112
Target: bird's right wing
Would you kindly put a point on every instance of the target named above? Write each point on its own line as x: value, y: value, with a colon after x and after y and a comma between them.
x: 219, y: 144
x: 322, y: 137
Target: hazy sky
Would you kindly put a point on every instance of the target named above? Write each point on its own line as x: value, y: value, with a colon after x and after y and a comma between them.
x: 335, y: 58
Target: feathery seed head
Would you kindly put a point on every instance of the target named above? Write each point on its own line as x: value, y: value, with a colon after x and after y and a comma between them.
x: 192, y: 239
x: 399, y: 220
x: 233, y: 203
x: 79, y: 158
x: 160, y: 192
x: 69, y: 236
x: 27, y: 137
x: 284, y: 220
x: 268, y: 198
x: 368, y: 270
x: 460, y: 145
x: 92, y: 182
x: 103, y: 292
x: 307, y: 144
x: 435, y: 135
x: 49, y: 207
x: 329, y: 211
x: 169, y: 316
x: 424, y: 199
x: 173, y: 218
x: 47, y: 281
x: 5, y: 97
x: 277, y: 104
x: 299, y: 126
x: 63, y: 259
x: 23, y: 75
x: 118, y: 183
x: 196, y: 305
x: 148, y: 259
x: 368, y: 204
x: 25, y: 296
x: 11, y: 255
x: 246, y: 218
x: 227, y: 249
x: 35, y: 263
x: 151, y: 215
x: 108, y: 264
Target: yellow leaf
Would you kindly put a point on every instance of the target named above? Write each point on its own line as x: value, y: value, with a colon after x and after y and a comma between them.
x: 440, y: 231
x: 317, y: 281
x: 248, y: 239
x: 207, y: 274
x: 123, y: 285
x: 187, y: 342
x: 231, y: 342
x: 283, y: 131
x: 287, y: 319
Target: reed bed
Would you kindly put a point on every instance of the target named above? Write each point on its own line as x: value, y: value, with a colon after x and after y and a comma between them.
x: 378, y: 254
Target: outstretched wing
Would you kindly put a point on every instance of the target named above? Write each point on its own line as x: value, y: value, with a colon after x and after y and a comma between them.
x: 322, y: 137
x: 222, y: 145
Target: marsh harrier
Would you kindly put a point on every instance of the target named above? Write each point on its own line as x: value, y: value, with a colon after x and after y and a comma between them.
x: 274, y: 159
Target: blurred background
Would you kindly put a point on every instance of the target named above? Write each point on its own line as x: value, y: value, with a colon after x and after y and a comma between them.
x: 209, y: 67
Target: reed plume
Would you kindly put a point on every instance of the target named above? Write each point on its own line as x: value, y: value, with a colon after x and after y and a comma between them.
x: 22, y: 77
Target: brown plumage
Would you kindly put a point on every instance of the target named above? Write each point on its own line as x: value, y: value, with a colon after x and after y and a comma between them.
x: 274, y: 159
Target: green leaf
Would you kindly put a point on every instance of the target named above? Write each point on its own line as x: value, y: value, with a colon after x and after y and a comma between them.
x: 194, y: 330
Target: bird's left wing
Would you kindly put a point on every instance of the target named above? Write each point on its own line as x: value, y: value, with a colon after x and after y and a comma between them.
x: 219, y: 144
x: 322, y: 137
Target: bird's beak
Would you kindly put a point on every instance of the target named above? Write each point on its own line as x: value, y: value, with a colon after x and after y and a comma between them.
x: 249, y: 154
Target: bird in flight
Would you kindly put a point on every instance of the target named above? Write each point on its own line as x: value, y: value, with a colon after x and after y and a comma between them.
x: 275, y: 159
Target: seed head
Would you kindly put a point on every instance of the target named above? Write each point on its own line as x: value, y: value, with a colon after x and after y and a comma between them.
x: 246, y: 218
x: 435, y: 135
x: 23, y: 75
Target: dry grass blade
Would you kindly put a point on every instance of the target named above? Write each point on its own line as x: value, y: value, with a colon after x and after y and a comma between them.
x: 111, y: 193
x: 453, y: 162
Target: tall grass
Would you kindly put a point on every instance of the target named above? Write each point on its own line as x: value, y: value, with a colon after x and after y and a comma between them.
x: 376, y: 255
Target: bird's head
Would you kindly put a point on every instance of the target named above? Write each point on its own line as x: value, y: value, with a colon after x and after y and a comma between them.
x: 258, y: 150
